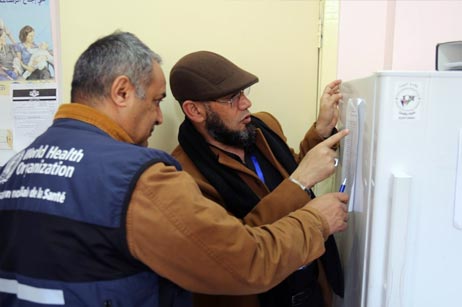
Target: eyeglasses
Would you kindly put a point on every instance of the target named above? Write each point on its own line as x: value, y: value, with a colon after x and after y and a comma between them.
x: 236, y: 97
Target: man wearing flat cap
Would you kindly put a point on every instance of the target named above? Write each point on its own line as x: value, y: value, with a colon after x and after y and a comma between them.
x: 242, y: 161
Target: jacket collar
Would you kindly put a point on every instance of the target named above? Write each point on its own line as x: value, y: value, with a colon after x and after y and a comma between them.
x: 262, y: 145
x: 92, y: 116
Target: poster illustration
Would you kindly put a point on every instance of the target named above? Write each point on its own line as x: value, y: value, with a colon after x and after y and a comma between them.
x: 29, y: 57
x: 26, y: 43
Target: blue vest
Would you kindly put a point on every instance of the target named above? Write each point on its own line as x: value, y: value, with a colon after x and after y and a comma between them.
x: 63, y: 204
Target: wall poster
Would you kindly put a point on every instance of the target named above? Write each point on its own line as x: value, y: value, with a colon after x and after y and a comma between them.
x: 28, y: 65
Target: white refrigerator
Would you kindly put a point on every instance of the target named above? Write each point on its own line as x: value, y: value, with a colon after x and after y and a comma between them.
x: 403, y: 164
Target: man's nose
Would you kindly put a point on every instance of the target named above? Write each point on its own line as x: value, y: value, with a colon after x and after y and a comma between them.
x: 244, y: 103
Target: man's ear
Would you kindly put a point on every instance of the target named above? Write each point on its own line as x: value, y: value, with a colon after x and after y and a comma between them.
x: 194, y: 110
x: 121, y: 90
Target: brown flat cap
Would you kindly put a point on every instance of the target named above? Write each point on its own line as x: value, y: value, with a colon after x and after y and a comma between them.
x: 204, y: 75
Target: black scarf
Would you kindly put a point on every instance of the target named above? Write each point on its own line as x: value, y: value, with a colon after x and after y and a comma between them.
x: 238, y: 198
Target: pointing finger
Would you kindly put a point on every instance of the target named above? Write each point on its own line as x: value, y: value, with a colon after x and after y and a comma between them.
x: 334, y: 139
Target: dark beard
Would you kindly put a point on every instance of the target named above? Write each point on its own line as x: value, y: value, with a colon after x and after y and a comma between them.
x: 217, y: 129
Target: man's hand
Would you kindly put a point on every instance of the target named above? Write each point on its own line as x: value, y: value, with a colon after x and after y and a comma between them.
x: 319, y: 162
x: 328, y: 109
x: 333, y: 207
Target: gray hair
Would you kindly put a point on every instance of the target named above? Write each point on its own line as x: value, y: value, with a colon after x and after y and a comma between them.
x: 120, y: 53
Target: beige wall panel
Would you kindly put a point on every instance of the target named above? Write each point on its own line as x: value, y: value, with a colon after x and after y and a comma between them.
x: 276, y: 40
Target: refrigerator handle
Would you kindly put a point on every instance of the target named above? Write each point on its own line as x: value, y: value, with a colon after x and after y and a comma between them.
x: 397, y: 239
x: 458, y: 189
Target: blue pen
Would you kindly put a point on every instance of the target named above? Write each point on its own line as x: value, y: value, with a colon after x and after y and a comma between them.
x: 342, y: 186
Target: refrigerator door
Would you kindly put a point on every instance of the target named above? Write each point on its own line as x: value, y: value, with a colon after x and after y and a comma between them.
x: 356, y: 109
x: 404, y: 239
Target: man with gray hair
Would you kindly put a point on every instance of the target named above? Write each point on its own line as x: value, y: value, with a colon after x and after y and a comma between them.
x: 89, y: 216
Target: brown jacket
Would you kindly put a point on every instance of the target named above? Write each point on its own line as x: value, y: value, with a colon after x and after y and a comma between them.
x: 193, y: 242
x: 286, y: 198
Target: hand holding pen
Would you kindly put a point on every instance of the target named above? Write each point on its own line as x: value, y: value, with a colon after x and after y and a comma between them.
x: 342, y: 190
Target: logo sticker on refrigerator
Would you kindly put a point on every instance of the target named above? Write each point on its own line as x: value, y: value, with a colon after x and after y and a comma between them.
x: 407, y: 101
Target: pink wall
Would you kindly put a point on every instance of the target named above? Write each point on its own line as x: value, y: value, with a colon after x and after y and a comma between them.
x: 418, y: 29
x: 396, y: 35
